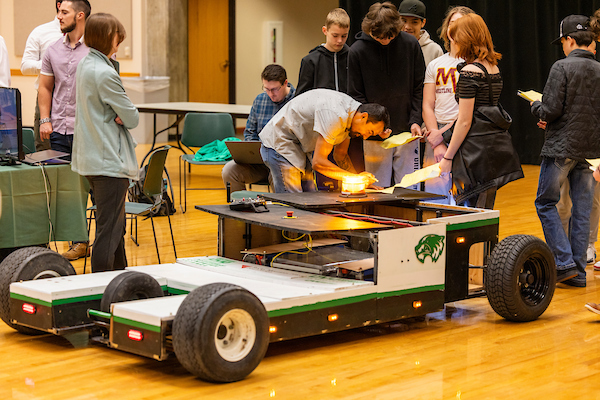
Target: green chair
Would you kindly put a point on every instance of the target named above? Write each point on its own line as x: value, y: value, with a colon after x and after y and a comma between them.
x: 152, y: 189
x: 28, y: 141
x: 200, y: 129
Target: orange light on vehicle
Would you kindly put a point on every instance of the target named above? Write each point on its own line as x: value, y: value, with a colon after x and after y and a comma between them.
x: 272, y: 329
x: 417, y: 303
x: 135, y: 335
x: 332, y: 317
x: 28, y: 308
x: 460, y: 239
x: 355, y: 184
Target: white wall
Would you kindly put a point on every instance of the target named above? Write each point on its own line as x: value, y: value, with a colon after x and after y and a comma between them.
x: 302, y: 22
x: 25, y: 83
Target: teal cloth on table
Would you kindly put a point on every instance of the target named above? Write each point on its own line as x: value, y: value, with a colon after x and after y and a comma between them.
x: 215, y: 151
x: 25, y: 218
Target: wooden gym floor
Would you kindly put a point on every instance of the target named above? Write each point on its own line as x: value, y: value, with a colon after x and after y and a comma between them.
x: 463, y: 352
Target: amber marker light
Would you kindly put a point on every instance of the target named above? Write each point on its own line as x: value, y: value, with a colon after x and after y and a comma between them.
x: 460, y: 239
x: 417, y: 303
x: 332, y: 317
x: 272, y: 329
x: 28, y: 308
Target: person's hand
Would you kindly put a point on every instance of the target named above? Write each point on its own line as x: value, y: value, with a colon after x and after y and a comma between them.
x: 386, y: 133
x: 45, y: 130
x: 542, y: 124
x: 597, y: 174
x: 435, y: 137
x: 118, y: 120
x: 445, y: 166
x: 438, y: 152
x: 370, y: 177
x: 415, y: 129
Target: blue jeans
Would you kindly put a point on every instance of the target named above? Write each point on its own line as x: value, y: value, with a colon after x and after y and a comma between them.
x: 286, y: 177
x: 60, y: 142
x: 569, y: 251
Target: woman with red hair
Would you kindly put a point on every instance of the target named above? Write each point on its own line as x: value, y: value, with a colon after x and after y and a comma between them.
x: 480, y: 153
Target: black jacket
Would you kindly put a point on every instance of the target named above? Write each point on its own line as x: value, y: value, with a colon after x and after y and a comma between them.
x: 571, y: 107
x: 323, y: 69
x: 389, y: 75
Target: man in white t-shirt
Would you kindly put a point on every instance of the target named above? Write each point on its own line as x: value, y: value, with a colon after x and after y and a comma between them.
x: 4, y: 67
x: 439, y: 109
x: 319, y: 121
x: 38, y: 41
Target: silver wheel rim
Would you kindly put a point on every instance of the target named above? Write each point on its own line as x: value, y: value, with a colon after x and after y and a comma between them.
x: 47, y: 274
x: 235, y: 335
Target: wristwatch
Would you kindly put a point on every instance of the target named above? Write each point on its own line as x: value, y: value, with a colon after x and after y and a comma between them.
x: 44, y: 120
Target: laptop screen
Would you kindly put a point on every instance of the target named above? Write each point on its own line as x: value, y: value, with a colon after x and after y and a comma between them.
x: 11, y: 128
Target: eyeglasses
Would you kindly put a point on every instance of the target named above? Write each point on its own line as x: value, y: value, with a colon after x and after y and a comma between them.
x: 274, y: 91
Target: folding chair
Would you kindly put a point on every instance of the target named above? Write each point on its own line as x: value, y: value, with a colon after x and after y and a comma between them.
x: 200, y: 129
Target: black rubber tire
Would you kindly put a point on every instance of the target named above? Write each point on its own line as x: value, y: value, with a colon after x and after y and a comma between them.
x: 520, y: 278
x: 26, y: 264
x: 196, y: 331
x: 130, y: 285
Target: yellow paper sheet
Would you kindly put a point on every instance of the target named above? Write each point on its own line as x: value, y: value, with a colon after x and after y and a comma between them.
x: 399, y: 140
x: 594, y: 163
x: 433, y: 171
x: 530, y: 95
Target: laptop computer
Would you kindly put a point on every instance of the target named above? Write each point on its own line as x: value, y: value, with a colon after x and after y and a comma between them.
x: 46, y: 157
x: 244, y: 152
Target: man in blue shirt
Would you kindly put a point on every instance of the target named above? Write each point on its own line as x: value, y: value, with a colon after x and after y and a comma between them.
x: 276, y: 93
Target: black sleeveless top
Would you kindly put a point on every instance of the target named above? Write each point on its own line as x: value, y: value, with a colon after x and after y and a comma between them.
x: 475, y: 85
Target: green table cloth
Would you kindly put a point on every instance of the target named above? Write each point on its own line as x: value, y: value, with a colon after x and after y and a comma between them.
x: 30, y: 201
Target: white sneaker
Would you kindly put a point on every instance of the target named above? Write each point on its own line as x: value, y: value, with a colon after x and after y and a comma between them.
x: 591, y: 254
x: 597, y: 266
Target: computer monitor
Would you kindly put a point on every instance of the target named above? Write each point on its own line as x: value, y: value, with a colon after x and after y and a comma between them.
x: 11, y: 125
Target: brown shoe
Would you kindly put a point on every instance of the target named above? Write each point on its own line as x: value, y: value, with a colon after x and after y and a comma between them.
x: 593, y: 307
x: 77, y: 251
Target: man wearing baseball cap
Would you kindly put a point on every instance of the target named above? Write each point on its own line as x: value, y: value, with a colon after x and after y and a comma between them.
x: 569, y: 114
x: 412, y: 15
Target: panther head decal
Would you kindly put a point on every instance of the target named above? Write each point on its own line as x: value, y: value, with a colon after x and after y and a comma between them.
x: 430, y: 245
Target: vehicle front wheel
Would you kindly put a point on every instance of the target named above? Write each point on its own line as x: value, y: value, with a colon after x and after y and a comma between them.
x: 221, y: 332
x: 520, y: 278
x: 130, y: 285
x: 25, y: 264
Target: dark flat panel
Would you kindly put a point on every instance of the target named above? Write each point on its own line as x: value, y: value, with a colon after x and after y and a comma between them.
x: 334, y: 199
x: 305, y: 221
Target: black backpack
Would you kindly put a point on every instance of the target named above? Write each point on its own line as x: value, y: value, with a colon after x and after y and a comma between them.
x: 136, y: 194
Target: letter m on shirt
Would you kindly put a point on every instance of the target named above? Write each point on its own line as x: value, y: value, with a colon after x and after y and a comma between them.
x: 443, y: 77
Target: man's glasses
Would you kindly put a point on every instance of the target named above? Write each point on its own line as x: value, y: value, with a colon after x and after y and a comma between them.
x: 274, y: 91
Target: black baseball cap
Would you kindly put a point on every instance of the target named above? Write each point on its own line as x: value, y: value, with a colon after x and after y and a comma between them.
x: 571, y: 24
x: 412, y: 8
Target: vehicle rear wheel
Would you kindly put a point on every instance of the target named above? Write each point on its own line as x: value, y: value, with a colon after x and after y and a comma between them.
x: 130, y: 285
x: 29, y: 263
x: 520, y: 278
x: 221, y: 332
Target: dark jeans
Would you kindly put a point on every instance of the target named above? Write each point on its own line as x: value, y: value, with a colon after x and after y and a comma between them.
x: 108, y: 253
x: 61, y: 142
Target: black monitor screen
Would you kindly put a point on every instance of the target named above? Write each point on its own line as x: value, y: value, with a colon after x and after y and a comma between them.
x: 11, y: 129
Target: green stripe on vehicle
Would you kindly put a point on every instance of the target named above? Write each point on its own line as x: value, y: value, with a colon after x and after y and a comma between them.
x: 136, y: 324
x: 177, y: 291
x: 28, y: 299
x: 472, y: 224
x: 350, y: 300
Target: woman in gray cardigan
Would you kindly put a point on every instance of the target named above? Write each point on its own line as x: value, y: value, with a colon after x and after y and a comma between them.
x: 103, y: 148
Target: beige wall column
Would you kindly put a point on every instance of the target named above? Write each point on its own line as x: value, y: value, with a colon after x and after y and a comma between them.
x: 164, y: 43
